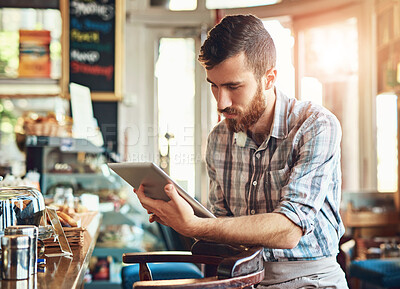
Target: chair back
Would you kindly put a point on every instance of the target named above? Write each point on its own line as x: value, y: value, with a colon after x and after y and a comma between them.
x: 225, y: 266
x: 173, y: 240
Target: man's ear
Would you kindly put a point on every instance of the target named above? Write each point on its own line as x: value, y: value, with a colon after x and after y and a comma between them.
x: 270, y: 78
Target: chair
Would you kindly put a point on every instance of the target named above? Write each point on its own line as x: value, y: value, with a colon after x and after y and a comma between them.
x: 374, y: 273
x: 224, y: 266
x: 173, y: 242
x: 364, y: 267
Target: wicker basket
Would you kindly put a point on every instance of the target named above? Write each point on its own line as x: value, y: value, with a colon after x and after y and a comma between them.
x: 74, y: 237
x: 48, y: 129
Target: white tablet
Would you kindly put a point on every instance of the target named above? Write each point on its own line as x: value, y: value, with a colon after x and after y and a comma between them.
x: 154, y: 180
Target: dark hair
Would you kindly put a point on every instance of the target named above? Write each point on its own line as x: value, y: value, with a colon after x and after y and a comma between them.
x: 236, y: 34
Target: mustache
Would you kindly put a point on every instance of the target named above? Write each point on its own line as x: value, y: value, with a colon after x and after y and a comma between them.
x: 229, y: 110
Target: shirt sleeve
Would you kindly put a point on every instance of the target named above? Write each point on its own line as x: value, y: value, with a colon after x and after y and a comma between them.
x: 315, y: 175
x: 216, y: 199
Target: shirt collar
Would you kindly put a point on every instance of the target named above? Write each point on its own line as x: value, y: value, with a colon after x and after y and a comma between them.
x: 279, y: 124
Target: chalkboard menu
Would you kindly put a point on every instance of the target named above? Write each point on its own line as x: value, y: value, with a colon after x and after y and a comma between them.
x: 92, y: 44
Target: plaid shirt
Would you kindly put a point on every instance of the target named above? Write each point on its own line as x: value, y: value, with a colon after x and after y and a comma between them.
x: 295, y: 172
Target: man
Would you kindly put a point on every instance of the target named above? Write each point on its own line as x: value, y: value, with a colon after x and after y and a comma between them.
x: 273, y: 163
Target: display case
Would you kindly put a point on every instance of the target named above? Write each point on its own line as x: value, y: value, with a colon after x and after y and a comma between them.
x: 68, y: 161
x: 80, y: 165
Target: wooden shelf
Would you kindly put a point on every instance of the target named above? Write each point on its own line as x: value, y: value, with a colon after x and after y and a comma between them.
x: 29, y: 87
x: 104, y: 85
x: 362, y: 219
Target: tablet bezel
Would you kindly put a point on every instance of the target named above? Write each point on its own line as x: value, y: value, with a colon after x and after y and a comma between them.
x: 154, y: 180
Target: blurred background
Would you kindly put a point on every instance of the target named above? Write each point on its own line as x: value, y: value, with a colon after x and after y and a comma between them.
x: 150, y: 100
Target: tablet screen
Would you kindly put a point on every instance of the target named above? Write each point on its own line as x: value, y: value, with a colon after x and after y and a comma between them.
x: 154, y: 180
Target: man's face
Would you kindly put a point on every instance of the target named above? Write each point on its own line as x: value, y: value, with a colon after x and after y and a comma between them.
x: 239, y: 96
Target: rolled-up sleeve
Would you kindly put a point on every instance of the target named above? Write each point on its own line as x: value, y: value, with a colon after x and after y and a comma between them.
x: 315, y: 172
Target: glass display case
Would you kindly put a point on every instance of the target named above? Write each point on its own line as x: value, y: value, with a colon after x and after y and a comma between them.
x: 68, y: 161
x: 82, y: 166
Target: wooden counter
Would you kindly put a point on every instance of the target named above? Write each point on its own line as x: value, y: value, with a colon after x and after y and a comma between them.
x: 64, y: 272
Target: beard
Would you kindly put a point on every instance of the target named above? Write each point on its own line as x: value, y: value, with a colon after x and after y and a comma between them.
x: 249, y: 115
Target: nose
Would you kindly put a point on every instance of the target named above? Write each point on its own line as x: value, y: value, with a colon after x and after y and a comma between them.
x: 223, y: 99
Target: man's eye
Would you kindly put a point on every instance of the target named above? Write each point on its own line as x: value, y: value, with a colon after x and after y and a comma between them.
x: 233, y: 87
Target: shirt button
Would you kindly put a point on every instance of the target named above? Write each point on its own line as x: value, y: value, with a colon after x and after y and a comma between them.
x: 258, y: 155
x: 252, y: 212
x: 267, y: 254
x: 255, y: 183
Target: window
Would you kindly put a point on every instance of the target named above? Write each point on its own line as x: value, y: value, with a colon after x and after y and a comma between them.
x: 175, y: 5
x: 176, y: 97
x: 181, y: 5
x: 284, y: 42
x: 386, y: 134
x: 223, y: 4
x: 329, y: 76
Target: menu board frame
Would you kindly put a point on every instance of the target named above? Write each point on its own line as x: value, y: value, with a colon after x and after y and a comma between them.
x: 116, y: 94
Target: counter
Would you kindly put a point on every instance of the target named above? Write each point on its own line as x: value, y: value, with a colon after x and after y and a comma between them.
x: 64, y: 272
